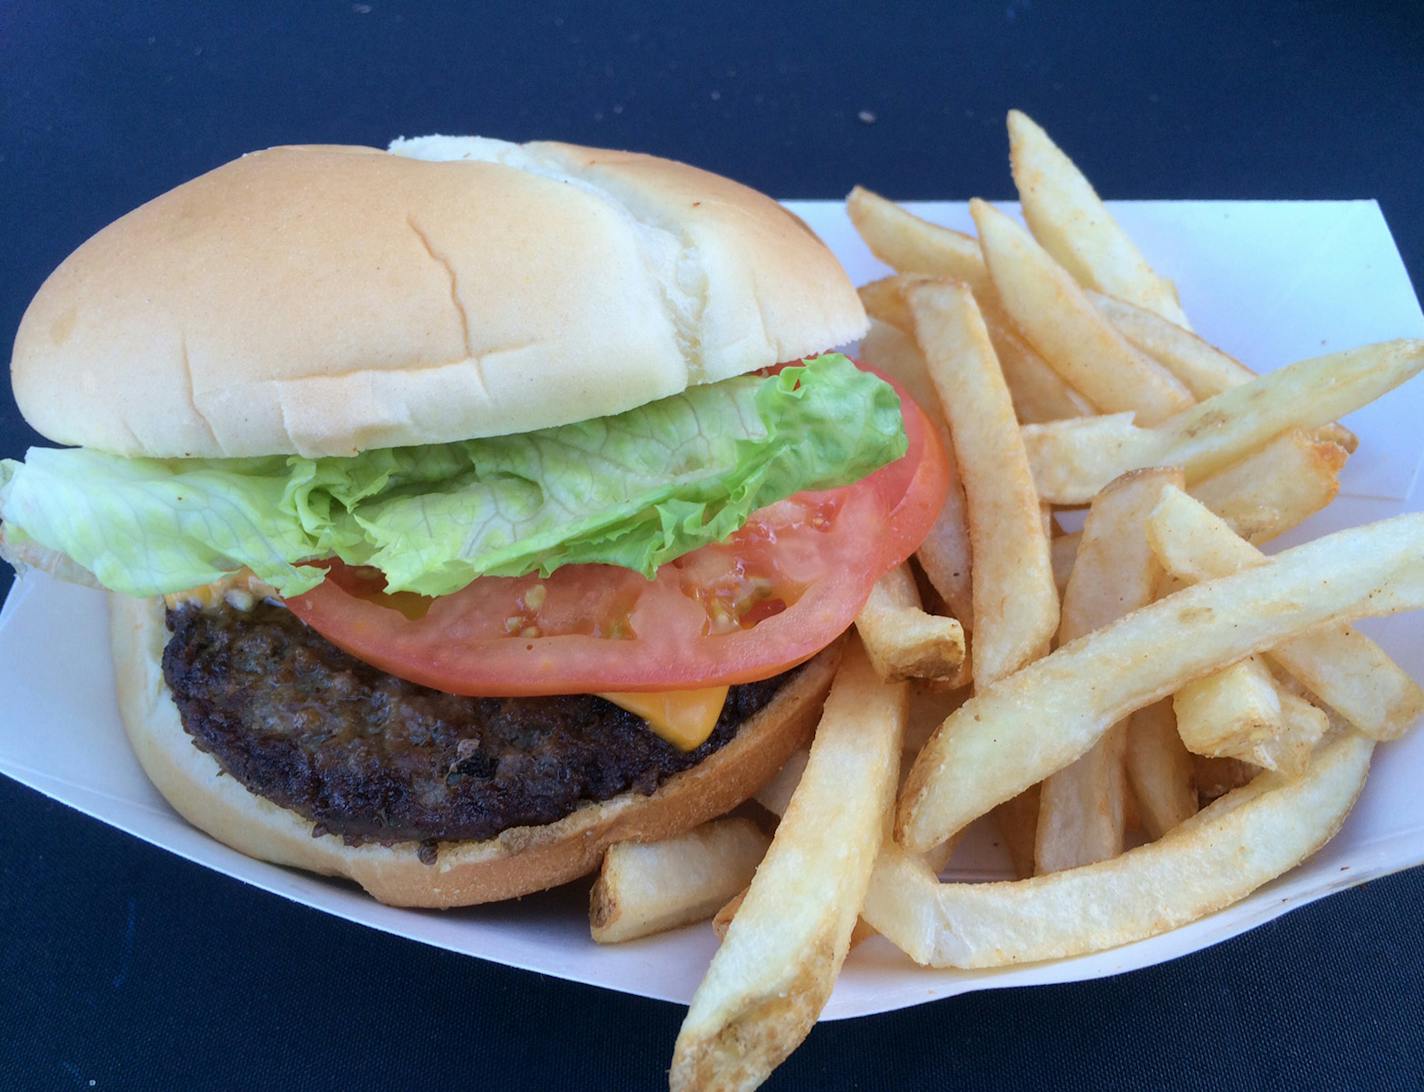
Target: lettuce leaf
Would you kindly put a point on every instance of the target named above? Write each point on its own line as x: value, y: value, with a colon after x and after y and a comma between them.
x: 637, y: 490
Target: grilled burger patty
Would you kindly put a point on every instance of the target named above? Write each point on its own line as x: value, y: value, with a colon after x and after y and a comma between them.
x: 373, y: 758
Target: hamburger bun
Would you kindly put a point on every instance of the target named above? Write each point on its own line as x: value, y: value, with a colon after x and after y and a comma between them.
x: 323, y: 300
x: 516, y: 862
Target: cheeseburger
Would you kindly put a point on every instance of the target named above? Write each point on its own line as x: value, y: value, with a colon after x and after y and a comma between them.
x: 466, y: 507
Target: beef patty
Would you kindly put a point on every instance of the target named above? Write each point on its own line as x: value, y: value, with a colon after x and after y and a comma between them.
x: 374, y: 758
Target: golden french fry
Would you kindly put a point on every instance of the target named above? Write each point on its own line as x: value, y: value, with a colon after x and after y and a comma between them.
x: 884, y: 301
x: 1015, y: 603
x: 1036, y: 721
x: 1276, y: 487
x: 1071, y: 221
x: 1039, y: 393
x: 1160, y: 770
x: 1229, y: 712
x: 1082, y: 807
x: 1303, y: 726
x: 902, y: 641
x: 1262, y: 496
x: 646, y: 888
x: 1054, y: 315
x: 722, y: 921
x: 909, y: 244
x: 944, y: 553
x: 1203, y: 368
x: 1342, y: 667
x: 773, y: 972
x: 1072, y: 460
x: 1215, y: 858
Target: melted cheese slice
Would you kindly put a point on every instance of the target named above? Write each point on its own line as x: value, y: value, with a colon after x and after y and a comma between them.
x: 685, y: 718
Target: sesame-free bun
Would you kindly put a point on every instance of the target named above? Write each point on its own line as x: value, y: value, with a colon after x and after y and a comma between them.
x: 516, y: 862
x: 323, y: 300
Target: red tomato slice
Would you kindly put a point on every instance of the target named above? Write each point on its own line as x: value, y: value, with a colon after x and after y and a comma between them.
x: 770, y: 597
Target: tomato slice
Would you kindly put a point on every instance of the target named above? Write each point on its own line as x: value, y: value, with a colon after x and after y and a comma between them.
x: 770, y: 597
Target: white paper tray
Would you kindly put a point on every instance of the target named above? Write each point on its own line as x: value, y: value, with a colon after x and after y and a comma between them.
x: 1268, y: 281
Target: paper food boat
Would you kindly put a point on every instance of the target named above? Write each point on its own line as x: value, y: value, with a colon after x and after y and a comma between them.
x: 1270, y: 282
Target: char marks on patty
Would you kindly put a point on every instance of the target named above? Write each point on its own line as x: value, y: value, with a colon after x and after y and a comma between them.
x: 374, y: 758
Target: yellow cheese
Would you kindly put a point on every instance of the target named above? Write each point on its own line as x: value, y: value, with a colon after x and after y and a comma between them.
x: 685, y: 718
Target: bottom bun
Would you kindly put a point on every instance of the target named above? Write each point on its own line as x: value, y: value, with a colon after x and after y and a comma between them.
x: 516, y: 862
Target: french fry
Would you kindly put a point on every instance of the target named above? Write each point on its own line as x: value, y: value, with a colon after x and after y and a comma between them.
x: 1276, y: 487
x: 944, y: 553
x: 646, y: 888
x: 1160, y: 770
x: 1208, y: 862
x: 787, y: 941
x: 1015, y: 603
x: 1036, y: 721
x: 1072, y: 460
x: 1342, y: 667
x: 1070, y: 220
x: 1202, y: 367
x: 1230, y: 712
x: 1082, y: 807
x: 722, y: 921
x: 907, y: 243
x: 1054, y: 315
x: 1262, y: 496
x: 902, y: 641
x: 1038, y: 392
x: 1303, y: 726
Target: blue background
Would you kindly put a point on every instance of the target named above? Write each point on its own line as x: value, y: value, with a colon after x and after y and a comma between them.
x: 124, y: 967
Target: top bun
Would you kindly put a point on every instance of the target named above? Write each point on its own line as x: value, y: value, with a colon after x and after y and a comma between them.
x: 324, y: 300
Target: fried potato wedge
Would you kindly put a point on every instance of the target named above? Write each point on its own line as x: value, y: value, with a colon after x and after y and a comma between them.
x: 1160, y: 770
x: 1202, y: 367
x: 1339, y: 665
x: 1073, y: 459
x: 1261, y: 497
x: 1015, y: 601
x: 772, y: 974
x: 1038, y: 392
x: 904, y: 642
x: 1213, y: 859
x: 1082, y: 807
x: 1276, y: 487
x: 1036, y: 721
x: 649, y: 887
x: 1070, y: 220
x: 910, y: 244
x: 1229, y: 712
x: 1051, y: 311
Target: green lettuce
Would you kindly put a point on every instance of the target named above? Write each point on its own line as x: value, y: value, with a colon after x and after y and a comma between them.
x: 636, y: 490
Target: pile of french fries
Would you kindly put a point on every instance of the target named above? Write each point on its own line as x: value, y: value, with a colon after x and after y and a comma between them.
x: 1152, y: 680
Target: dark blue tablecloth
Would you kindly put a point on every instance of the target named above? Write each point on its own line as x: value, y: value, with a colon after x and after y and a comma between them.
x: 123, y: 967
